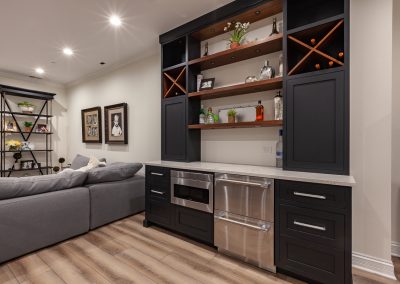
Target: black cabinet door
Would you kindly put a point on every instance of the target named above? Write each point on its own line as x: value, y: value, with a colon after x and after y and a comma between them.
x: 316, y: 124
x: 173, y: 129
x: 159, y: 211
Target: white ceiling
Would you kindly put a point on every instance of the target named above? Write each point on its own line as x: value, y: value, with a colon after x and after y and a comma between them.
x: 33, y: 33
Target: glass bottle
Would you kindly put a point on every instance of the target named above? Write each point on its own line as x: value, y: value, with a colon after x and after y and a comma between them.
x: 281, y: 65
x: 202, y: 116
x: 278, y: 106
x: 279, y: 150
x: 267, y: 72
x: 259, y: 112
x: 210, y: 116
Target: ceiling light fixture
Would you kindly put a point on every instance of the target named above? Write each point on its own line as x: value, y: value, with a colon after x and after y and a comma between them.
x: 39, y: 70
x: 68, y: 51
x: 115, y: 21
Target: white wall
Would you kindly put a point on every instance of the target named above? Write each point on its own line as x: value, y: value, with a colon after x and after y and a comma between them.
x: 371, y: 110
x: 59, y: 122
x: 137, y: 84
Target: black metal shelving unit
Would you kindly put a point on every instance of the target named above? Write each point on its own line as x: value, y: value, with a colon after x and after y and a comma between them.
x: 8, y: 113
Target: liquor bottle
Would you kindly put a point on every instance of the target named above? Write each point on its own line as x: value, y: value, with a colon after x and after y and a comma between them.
x: 210, y: 116
x: 202, y: 116
x: 259, y: 112
x: 278, y: 106
x: 318, y: 66
x: 313, y: 41
x: 267, y: 72
x: 274, y: 28
x: 279, y: 150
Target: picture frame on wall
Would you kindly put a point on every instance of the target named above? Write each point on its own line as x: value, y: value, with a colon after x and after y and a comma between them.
x: 92, y: 125
x: 116, y: 123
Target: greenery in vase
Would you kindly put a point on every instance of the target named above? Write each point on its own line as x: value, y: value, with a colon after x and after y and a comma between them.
x: 239, y: 31
x: 28, y: 124
x: 25, y: 104
x: 232, y: 112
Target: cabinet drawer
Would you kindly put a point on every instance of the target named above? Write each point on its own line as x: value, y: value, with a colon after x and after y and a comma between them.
x: 313, y: 261
x: 194, y: 223
x: 157, y: 175
x: 321, y: 196
x: 316, y: 226
x: 158, y: 191
x: 158, y: 211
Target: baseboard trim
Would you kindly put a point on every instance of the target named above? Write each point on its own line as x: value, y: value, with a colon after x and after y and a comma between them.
x: 373, y: 265
x: 396, y: 249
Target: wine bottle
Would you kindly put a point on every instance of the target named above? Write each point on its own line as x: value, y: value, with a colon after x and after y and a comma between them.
x: 259, y: 112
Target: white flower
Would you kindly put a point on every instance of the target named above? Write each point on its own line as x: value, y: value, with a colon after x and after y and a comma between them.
x: 225, y: 29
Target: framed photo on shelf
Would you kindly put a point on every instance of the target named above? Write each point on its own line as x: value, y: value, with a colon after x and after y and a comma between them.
x: 91, y: 125
x: 10, y: 125
x: 116, y: 123
x: 207, y: 84
x: 42, y: 128
x: 27, y: 165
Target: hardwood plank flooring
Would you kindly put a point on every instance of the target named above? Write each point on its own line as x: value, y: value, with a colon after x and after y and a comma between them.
x: 126, y: 252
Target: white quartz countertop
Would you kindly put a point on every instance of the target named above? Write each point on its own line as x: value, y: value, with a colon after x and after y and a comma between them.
x: 259, y: 171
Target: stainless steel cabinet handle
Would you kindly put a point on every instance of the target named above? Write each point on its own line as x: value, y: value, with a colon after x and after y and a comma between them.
x: 319, y: 228
x: 322, y: 197
x: 157, y: 174
x: 263, y: 227
x: 268, y: 184
x: 157, y: 192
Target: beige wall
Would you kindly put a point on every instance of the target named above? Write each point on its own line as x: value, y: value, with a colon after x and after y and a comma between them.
x: 137, y: 84
x: 371, y: 109
x: 59, y: 121
x: 396, y: 126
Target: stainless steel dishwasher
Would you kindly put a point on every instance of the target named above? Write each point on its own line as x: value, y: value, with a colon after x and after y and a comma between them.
x: 244, y: 218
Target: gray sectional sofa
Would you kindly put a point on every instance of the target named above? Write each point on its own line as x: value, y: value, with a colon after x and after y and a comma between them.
x: 36, y: 212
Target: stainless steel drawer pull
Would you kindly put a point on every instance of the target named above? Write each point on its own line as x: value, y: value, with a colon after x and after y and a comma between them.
x: 157, y: 174
x: 268, y: 184
x: 157, y: 192
x: 263, y: 227
x: 322, y: 197
x: 319, y: 228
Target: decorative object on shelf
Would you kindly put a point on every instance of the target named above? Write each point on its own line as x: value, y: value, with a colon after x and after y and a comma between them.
x: 37, y: 165
x: 61, y: 161
x: 216, y: 118
x: 317, y: 66
x: 56, y: 169
x: 331, y: 63
x: 313, y: 41
x: 116, y: 123
x: 280, y: 65
x: 251, y: 79
x: 91, y: 125
x: 10, y: 125
x: 341, y: 55
x: 232, y: 116
x: 278, y: 106
x: 259, y: 112
x: 210, y: 116
x: 42, y: 128
x: 27, y: 165
x: 13, y: 145
x: 202, y: 115
x: 17, y: 166
x: 27, y: 146
x: 279, y: 150
x: 200, y: 77
x: 206, y: 49
x: 274, y: 28
x: 207, y: 84
x: 238, y: 34
x: 267, y: 72
x: 17, y: 157
x: 26, y: 107
x: 28, y: 126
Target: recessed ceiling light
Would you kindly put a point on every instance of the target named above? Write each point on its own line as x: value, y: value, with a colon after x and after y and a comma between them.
x: 39, y: 70
x: 68, y: 51
x: 115, y: 21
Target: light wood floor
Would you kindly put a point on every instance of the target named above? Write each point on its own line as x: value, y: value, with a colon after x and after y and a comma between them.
x: 125, y: 252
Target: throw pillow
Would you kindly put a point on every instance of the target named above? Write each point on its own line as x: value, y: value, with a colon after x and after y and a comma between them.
x: 113, y: 172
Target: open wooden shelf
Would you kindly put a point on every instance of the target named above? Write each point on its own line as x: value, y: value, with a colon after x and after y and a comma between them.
x: 248, y: 124
x: 25, y: 132
x: 243, y: 52
x: 245, y: 88
x: 255, y: 14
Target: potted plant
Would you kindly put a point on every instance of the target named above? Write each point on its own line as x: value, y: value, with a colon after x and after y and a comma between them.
x: 26, y: 107
x: 232, y: 116
x: 13, y: 145
x: 239, y: 31
x: 28, y: 126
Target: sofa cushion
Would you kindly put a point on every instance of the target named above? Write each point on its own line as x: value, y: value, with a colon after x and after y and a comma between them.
x: 113, y: 172
x: 26, y: 186
x: 82, y: 161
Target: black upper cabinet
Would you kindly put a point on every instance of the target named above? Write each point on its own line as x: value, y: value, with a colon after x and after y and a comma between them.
x: 316, y: 124
x: 174, y: 52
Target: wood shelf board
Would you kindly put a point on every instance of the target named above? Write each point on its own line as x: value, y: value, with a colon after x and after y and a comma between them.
x: 250, y: 50
x: 25, y: 114
x: 252, y: 15
x: 177, y: 66
x: 25, y: 132
x: 248, y: 124
x: 246, y: 88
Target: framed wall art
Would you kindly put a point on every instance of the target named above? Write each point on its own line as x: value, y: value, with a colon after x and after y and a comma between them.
x: 116, y: 123
x: 91, y: 125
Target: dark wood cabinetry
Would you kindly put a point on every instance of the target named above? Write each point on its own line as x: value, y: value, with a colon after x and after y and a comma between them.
x: 313, y: 235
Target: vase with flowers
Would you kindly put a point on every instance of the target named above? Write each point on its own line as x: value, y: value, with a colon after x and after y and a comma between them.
x: 13, y: 145
x: 238, y: 34
x: 232, y: 116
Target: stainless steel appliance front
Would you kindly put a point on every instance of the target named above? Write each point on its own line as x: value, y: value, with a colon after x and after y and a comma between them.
x: 244, y: 218
x: 193, y: 190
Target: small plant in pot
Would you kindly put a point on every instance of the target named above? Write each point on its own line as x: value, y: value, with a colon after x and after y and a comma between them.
x: 28, y: 126
x: 238, y: 34
x: 26, y: 107
x: 232, y: 116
